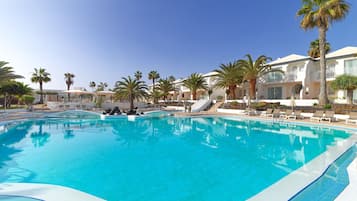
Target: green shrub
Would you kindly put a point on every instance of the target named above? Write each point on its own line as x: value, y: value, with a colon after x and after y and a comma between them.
x: 327, y: 106
x: 27, y: 99
x: 234, y: 104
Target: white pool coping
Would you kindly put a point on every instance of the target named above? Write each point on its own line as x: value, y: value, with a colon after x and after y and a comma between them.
x: 45, y: 192
x: 288, y: 186
x: 349, y: 193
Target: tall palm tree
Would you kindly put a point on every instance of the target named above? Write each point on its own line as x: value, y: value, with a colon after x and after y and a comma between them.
x: 165, y: 86
x: 345, y: 82
x: 229, y: 76
x: 153, y: 75
x: 314, y: 49
x: 7, y: 73
x: 171, y: 78
x: 320, y: 14
x: 138, y: 75
x: 92, y: 85
x: 40, y: 76
x: 253, y: 70
x: 130, y: 89
x: 102, y: 86
x: 195, y: 82
x: 69, y: 81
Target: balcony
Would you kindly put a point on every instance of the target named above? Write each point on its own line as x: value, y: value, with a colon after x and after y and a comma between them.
x: 330, y: 73
x: 288, y: 77
x: 291, y: 77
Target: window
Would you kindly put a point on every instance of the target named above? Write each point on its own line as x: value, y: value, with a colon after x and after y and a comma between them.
x: 275, y: 93
x: 330, y: 71
x: 351, y: 67
x: 275, y: 76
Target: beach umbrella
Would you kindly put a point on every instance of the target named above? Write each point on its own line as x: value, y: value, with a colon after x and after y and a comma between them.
x: 78, y: 92
x: 104, y: 93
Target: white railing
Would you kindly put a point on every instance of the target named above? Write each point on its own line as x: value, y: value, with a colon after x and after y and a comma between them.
x: 329, y: 74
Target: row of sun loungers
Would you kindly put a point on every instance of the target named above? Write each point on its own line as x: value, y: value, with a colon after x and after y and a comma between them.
x: 317, y: 116
x: 289, y: 114
x: 321, y: 116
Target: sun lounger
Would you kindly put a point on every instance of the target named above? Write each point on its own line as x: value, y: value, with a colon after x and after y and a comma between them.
x: 317, y: 116
x: 287, y: 113
x: 329, y: 116
x: 352, y: 118
x: 268, y: 113
x: 250, y: 112
x: 295, y: 115
x: 276, y: 113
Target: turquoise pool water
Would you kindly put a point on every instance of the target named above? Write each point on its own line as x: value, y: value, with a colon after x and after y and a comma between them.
x: 171, y: 158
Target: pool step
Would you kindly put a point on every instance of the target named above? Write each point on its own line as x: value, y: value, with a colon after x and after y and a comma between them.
x: 46, y: 192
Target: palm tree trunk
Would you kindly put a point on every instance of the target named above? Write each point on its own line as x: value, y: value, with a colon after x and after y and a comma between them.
x: 69, y: 97
x: 153, y: 91
x: 131, y: 104
x: 252, y: 84
x: 41, y: 95
x: 232, y: 90
x: 349, y: 96
x: 323, y: 100
x: 194, y: 94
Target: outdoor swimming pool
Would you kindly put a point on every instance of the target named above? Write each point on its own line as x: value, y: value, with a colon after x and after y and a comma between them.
x: 151, y: 158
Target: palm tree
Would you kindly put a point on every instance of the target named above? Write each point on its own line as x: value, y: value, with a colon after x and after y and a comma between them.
x: 102, y: 86
x: 165, y: 86
x: 153, y: 75
x: 40, y: 76
x: 138, y: 75
x: 229, y: 76
x: 69, y: 81
x: 253, y: 70
x: 130, y: 89
x: 171, y: 78
x: 195, y: 82
x: 314, y: 50
x: 320, y: 14
x: 12, y: 89
x: 92, y: 85
x: 345, y: 82
x: 6, y: 73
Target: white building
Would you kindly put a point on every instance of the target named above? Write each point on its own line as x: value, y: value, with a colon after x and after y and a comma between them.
x: 183, y: 93
x: 303, y: 72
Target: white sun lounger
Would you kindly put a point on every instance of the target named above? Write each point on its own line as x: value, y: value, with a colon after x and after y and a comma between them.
x: 317, y: 116
x: 352, y: 118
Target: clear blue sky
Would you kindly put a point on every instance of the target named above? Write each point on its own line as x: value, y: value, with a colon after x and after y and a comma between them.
x: 104, y: 40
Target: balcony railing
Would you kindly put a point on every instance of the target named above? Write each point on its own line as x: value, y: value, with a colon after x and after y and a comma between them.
x: 329, y: 74
x: 291, y: 77
x: 288, y: 77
